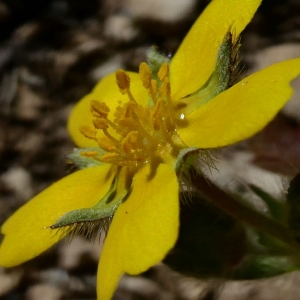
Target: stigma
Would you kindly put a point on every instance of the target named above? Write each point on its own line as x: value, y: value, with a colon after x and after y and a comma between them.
x: 134, y: 135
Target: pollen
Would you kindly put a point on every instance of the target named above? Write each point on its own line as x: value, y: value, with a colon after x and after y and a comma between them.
x: 135, y: 135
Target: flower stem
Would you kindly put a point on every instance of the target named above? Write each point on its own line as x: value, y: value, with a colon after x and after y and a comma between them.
x: 242, y: 212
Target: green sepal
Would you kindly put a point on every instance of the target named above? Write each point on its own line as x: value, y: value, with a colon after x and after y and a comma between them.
x: 85, y: 215
x: 219, y: 80
x: 186, y: 159
x: 191, y: 158
x: 155, y: 60
x: 83, y: 162
x: 105, y: 208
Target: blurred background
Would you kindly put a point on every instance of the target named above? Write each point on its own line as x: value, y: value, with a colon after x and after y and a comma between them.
x: 53, y: 52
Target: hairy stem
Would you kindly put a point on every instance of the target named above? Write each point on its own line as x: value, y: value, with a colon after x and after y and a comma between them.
x: 243, y: 212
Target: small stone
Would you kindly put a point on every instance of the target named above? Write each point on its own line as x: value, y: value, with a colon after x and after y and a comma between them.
x: 19, y: 181
x: 163, y: 10
x: 29, y: 104
x: 43, y: 291
x: 140, y: 287
x: 72, y: 253
x: 284, y: 287
x: 9, y: 279
x: 90, y: 46
x: 31, y: 143
x: 120, y: 28
x: 57, y: 277
x: 110, y: 66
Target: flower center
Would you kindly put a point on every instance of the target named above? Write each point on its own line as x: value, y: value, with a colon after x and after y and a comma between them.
x: 137, y: 135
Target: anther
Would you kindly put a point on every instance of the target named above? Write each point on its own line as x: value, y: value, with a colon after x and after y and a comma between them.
x: 145, y: 75
x: 100, y: 107
x: 100, y: 123
x: 163, y: 71
x: 129, y: 143
x: 110, y: 157
x: 89, y: 154
x: 129, y: 109
x: 88, y: 131
x: 107, y: 144
x: 123, y: 81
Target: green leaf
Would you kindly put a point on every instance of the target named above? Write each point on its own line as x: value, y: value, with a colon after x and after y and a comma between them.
x: 277, y: 209
x: 293, y: 199
x: 264, y: 265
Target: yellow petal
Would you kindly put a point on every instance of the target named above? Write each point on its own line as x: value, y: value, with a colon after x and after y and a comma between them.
x: 143, y: 230
x: 105, y: 91
x: 242, y: 110
x: 27, y: 231
x: 196, y: 57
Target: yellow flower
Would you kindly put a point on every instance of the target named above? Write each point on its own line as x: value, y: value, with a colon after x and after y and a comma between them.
x: 189, y: 106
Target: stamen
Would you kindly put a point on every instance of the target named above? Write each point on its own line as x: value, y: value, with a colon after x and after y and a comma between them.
x: 169, y: 123
x: 107, y: 144
x: 155, y: 112
x: 123, y: 81
x: 137, y: 133
x: 145, y: 75
x: 154, y: 85
x: 100, y: 107
x: 129, y: 143
x: 89, y: 154
x: 111, y: 124
x: 129, y: 109
x: 109, y: 136
x: 167, y: 134
x: 153, y: 90
x: 147, y: 81
x: 165, y: 91
x: 113, y: 158
x: 100, y: 123
x: 163, y: 71
x: 144, y: 132
x: 165, y: 88
x: 88, y: 131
